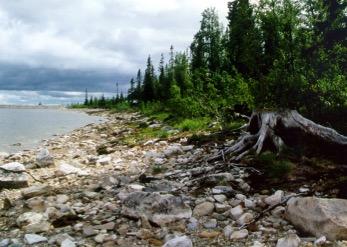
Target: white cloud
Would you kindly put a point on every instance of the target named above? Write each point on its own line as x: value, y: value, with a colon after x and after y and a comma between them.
x: 96, y: 35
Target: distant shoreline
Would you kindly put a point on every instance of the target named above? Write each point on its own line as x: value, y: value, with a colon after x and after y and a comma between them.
x: 32, y: 107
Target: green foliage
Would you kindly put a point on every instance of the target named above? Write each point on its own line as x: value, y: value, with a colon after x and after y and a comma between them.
x: 276, y: 54
x: 193, y: 124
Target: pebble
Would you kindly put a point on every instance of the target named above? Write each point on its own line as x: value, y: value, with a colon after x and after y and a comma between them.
x: 34, y: 238
x: 239, y: 234
x: 205, y: 208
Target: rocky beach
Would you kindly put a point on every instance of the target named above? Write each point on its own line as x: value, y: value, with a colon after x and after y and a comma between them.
x: 90, y: 188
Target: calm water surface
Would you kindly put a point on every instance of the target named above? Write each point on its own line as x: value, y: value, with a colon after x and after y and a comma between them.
x: 29, y: 126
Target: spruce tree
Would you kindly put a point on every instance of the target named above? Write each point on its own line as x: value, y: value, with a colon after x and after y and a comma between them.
x: 149, y: 82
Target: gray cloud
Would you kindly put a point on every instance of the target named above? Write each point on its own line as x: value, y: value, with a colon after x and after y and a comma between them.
x: 71, y: 45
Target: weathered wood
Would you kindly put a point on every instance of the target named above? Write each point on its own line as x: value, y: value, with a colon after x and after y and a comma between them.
x: 276, y: 130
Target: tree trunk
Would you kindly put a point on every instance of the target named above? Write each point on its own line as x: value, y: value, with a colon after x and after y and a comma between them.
x: 276, y: 130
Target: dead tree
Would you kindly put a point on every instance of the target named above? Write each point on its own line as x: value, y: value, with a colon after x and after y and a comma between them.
x: 277, y: 130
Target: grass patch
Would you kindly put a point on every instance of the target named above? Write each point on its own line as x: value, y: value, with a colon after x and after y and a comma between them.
x: 193, y: 124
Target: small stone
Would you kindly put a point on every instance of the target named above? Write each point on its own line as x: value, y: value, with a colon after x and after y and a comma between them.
x: 209, y: 234
x: 275, y: 198
x: 183, y: 241
x: 193, y: 224
x: 278, y: 211
x: 5, y: 242
x: 108, y: 226
x: 36, y: 190
x: 240, y: 197
x: 220, y: 198
x: 34, y: 238
x: 100, y: 238
x: 239, y: 234
x: 249, y: 204
x: 226, y: 190
x: 236, y: 212
x: 292, y: 240
x: 66, y: 169
x: 61, y: 199
x: 245, y: 219
x: 33, y: 222
x: 228, y: 230
x: 67, y: 243
x: 221, y: 208
x: 210, y: 224
x: 205, y: 208
x: 89, y: 231
x: 320, y: 241
x: 44, y: 159
x: 257, y: 244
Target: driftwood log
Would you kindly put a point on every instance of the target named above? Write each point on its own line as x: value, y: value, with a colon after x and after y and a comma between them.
x: 275, y: 131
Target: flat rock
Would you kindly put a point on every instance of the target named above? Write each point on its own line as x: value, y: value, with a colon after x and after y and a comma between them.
x: 13, y: 167
x: 320, y: 217
x: 159, y: 209
x: 239, y: 234
x: 33, y: 222
x: 292, y: 240
x: 205, y: 208
x: 183, y: 241
x: 11, y: 180
x: 36, y: 190
x: 66, y: 169
x: 274, y: 199
x: 34, y: 239
x: 67, y: 243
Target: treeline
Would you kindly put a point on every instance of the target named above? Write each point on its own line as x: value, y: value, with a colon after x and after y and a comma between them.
x: 276, y: 54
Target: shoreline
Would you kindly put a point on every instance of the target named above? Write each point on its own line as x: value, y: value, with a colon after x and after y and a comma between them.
x: 93, y: 189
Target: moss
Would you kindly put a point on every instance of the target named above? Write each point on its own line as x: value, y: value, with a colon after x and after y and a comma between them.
x: 156, y: 169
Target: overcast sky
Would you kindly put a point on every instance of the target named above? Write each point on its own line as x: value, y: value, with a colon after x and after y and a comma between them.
x: 71, y: 45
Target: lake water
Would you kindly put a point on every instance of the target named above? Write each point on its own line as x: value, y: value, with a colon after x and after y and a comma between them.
x: 30, y: 126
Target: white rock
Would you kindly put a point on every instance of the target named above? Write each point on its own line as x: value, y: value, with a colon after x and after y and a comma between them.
x: 34, y: 238
x: 183, y: 241
x: 275, y: 198
x: 44, y: 159
x: 245, y: 219
x: 13, y: 167
x: 257, y: 244
x: 240, y: 197
x: 239, y: 234
x: 228, y: 230
x: 203, y: 209
x: 33, y: 222
x: 67, y: 243
x: 220, y: 198
x: 236, y: 212
x: 320, y: 241
x: 66, y: 169
x: 249, y: 204
x: 292, y: 240
x: 104, y: 160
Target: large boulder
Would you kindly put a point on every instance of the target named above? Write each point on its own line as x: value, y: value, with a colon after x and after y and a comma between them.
x: 157, y: 208
x: 320, y: 217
